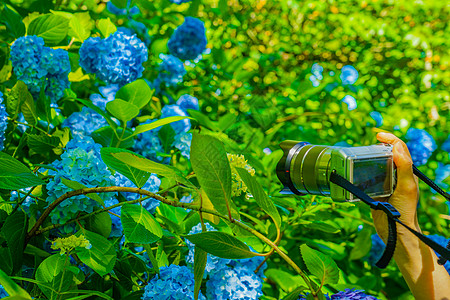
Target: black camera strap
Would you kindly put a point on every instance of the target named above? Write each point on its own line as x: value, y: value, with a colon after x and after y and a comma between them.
x: 393, y: 217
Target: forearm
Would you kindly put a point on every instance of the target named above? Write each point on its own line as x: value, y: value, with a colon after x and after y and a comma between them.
x: 418, y: 263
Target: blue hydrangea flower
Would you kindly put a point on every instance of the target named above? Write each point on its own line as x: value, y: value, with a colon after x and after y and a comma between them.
x: 233, y: 284
x: 316, y: 76
x: 442, y: 173
x: 377, y: 249
x: 37, y: 65
x: 182, y: 142
x: 174, y: 110
x: 81, y: 162
x: 26, y: 202
x: 84, y: 122
x: 446, y: 145
x: 152, y: 185
x: 189, y: 39
x: 171, y: 70
x: 348, y: 294
x: 107, y: 94
x: 173, y: 283
x: 3, y: 293
x: 421, y: 145
x: 443, y: 242
x: 314, y: 81
x: 116, y: 222
x: 180, y: 1
x: 122, y: 11
x: 187, y: 101
x: 116, y: 59
x: 3, y: 121
x: 350, y: 101
x: 349, y: 75
x: 377, y: 117
x: 149, y: 145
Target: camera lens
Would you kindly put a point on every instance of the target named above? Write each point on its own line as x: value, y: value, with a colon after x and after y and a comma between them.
x: 304, y: 168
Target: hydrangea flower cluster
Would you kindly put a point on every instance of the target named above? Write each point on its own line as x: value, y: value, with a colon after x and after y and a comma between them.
x: 175, y: 110
x: 37, y: 65
x: 152, y: 185
x: 81, y: 162
x: 377, y: 117
x: 148, y: 144
x: 3, y: 121
x: 446, y: 145
x: 377, y: 249
x: 171, y: 71
x: 316, y: 76
x: 238, y: 161
x: 3, y: 293
x: 173, y: 283
x: 182, y: 142
x: 350, y: 101
x: 421, y: 145
x: 85, y: 122
x: 189, y: 39
x: 107, y: 94
x: 443, y: 242
x: 66, y: 245
x: 348, y: 294
x: 117, y: 59
x: 123, y: 11
x: 349, y: 75
x: 187, y: 101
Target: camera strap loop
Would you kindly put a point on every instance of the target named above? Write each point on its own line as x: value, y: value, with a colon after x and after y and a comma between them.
x: 393, y: 217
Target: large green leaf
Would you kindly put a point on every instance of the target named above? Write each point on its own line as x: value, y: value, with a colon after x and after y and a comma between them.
x: 41, y: 143
x: 16, y: 97
x: 101, y: 257
x: 136, y: 161
x: 122, y: 110
x: 158, y: 123
x: 363, y: 244
x: 52, y: 28
x: 49, y: 270
x: 221, y: 244
x: 320, y: 265
x: 28, y: 108
x: 138, y: 176
x: 200, y: 258
x: 14, y: 231
x: 14, y: 175
x: 80, y: 26
x: 13, y: 22
x: 137, y: 92
x: 106, y: 27
x: 259, y: 195
x: 139, y: 225
x: 210, y: 163
x: 13, y: 289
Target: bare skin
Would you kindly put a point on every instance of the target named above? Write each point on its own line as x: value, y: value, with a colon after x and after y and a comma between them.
x: 426, y: 279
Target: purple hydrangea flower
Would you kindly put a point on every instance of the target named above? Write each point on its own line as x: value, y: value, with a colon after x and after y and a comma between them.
x: 174, y: 110
x: 350, y: 101
x: 117, y: 59
x: 189, y: 39
x: 107, y: 94
x: 173, y: 283
x: 171, y: 70
x: 349, y: 75
x: 84, y: 122
x: 3, y: 121
x: 187, y: 101
x: 421, y: 145
x: 348, y: 294
x: 377, y: 117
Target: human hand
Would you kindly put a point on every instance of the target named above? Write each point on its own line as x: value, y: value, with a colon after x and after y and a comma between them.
x: 406, y: 194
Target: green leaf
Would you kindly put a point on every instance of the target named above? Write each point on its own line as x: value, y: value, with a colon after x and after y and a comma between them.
x: 210, y: 164
x: 200, y: 258
x: 260, y: 195
x: 101, y: 257
x: 100, y: 223
x: 78, y: 186
x: 286, y: 281
x: 42, y: 143
x: 139, y: 225
x: 13, y: 22
x: 14, y: 175
x: 13, y: 289
x: 221, y: 244
x: 52, y: 28
x: 51, y: 267
x: 137, y: 92
x: 15, y: 98
x: 106, y: 27
x: 138, y: 176
x: 106, y: 137
x: 166, y: 135
x: 139, y: 162
x: 43, y: 108
x: 363, y: 244
x: 156, y: 124
x: 203, y: 120
x: 80, y: 26
x: 28, y: 109
x: 122, y: 110
x: 14, y: 231
x: 320, y: 265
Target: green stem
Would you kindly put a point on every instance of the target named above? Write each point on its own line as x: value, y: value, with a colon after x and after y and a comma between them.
x: 121, y: 135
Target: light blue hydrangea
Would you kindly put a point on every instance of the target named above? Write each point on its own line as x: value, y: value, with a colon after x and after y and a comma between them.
x: 187, y: 101
x: 173, y: 283
x: 107, y: 94
x: 421, y: 145
x: 25, y: 202
x: 234, y: 284
x: 84, y: 122
x: 37, y: 66
x: 3, y: 293
x: 349, y: 75
x: 316, y: 76
x: 377, y: 117
x: 180, y: 1
x: 182, y: 142
x: 377, y: 249
x: 149, y: 145
x: 3, y: 121
x: 152, y: 185
x: 189, y: 39
x: 171, y: 70
x: 446, y: 145
x: 81, y: 162
x: 350, y: 101
x: 442, y: 173
x: 174, y: 110
x: 117, y: 59
x: 122, y: 11
x: 443, y: 242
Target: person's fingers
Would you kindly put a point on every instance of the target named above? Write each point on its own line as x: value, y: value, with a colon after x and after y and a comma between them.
x: 406, y: 182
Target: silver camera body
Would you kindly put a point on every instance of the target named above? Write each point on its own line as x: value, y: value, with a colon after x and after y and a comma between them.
x: 306, y: 169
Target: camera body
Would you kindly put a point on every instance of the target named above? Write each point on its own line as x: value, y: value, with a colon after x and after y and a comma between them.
x: 306, y: 169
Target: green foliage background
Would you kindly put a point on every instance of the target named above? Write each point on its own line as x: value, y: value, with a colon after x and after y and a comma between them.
x: 254, y: 92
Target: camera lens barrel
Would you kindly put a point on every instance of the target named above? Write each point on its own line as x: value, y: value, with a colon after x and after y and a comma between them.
x: 304, y: 168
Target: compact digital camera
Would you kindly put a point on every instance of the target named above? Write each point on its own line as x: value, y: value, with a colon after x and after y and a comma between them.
x: 306, y: 169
